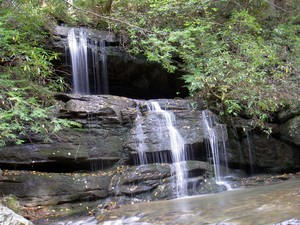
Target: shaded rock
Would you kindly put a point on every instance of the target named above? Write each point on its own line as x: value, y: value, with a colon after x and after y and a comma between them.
x: 292, y: 111
x: 267, y: 154
x: 70, y: 150
x: 61, y: 32
x: 95, y: 109
x: 34, y: 188
x: 153, y: 181
x: 135, y: 180
x: 9, y: 217
x: 290, y: 131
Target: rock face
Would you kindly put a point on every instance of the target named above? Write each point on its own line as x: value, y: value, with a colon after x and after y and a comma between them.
x: 109, y: 141
x: 290, y: 131
x: 278, y: 152
x: 127, y: 76
x: 44, y: 189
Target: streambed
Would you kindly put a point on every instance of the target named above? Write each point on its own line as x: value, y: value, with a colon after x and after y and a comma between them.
x: 263, y: 205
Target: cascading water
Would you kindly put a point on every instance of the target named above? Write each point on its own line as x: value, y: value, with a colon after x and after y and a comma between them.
x: 104, y: 77
x: 78, y: 52
x: 251, y: 150
x: 140, y: 140
x: 215, y: 133
x: 178, y: 167
x: 89, y: 71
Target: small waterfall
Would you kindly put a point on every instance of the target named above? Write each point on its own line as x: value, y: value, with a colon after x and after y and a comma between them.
x: 89, y: 71
x: 104, y: 77
x: 251, y: 150
x: 78, y: 51
x: 178, y: 167
x: 215, y: 134
x: 140, y: 139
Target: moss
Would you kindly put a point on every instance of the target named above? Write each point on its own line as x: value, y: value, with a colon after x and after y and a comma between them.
x: 12, y: 202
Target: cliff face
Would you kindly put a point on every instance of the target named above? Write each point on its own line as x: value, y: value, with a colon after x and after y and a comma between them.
x: 109, y: 141
x: 128, y: 76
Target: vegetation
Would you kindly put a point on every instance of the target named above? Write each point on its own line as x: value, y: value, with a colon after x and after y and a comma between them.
x: 26, y: 75
x: 241, y: 57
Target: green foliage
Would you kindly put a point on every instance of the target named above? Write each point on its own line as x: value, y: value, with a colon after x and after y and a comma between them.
x: 241, y: 62
x: 26, y: 76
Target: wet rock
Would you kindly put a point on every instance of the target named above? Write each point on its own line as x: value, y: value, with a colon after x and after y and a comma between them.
x: 135, y: 180
x: 34, y: 188
x: 156, y: 138
x: 262, y: 153
x: 70, y: 150
x: 153, y: 181
x: 95, y: 109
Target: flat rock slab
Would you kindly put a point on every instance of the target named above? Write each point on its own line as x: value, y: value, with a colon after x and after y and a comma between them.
x: 35, y: 188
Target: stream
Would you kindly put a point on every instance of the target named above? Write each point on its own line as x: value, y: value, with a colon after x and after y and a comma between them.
x: 270, y: 204
x: 248, y: 206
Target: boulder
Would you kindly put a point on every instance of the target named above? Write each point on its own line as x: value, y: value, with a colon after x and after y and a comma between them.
x: 261, y: 152
x: 292, y: 111
x: 44, y: 189
x: 290, y: 131
x: 9, y: 217
x: 153, y: 181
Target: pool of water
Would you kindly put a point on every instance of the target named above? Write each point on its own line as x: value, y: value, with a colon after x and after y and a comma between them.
x: 263, y: 205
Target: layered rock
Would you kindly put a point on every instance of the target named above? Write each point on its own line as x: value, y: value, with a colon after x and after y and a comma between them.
x: 44, y: 189
x: 109, y: 138
x: 129, y: 76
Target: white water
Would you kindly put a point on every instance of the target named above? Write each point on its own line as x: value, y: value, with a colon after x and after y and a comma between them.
x: 140, y: 139
x: 251, y: 150
x: 78, y: 51
x: 217, y: 146
x: 178, y: 166
x: 104, y: 77
x: 89, y: 73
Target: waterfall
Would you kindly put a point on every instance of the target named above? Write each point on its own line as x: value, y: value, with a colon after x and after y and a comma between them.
x: 104, y: 77
x: 251, y: 150
x: 215, y: 133
x: 78, y: 52
x: 140, y: 139
x: 89, y: 71
x: 178, y: 167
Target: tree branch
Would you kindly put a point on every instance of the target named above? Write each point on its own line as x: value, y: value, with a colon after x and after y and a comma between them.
x: 106, y: 18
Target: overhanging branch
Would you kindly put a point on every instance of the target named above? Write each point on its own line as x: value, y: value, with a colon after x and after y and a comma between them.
x: 107, y: 18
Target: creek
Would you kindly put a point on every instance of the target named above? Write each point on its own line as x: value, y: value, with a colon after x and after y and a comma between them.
x: 270, y: 204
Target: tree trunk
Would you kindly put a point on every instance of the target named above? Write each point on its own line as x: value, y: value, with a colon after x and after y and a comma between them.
x: 272, y: 7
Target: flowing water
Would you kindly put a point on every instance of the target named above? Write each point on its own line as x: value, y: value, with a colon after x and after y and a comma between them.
x: 78, y: 52
x: 178, y: 166
x: 89, y: 63
x: 141, y: 139
x: 216, y: 133
x: 248, y: 206
x: 251, y: 150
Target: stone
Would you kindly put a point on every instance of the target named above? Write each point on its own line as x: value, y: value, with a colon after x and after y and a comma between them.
x: 290, y: 131
x: 153, y: 181
x: 36, y: 188
x: 129, y: 76
x: 268, y: 154
x: 9, y: 217
x: 292, y: 111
